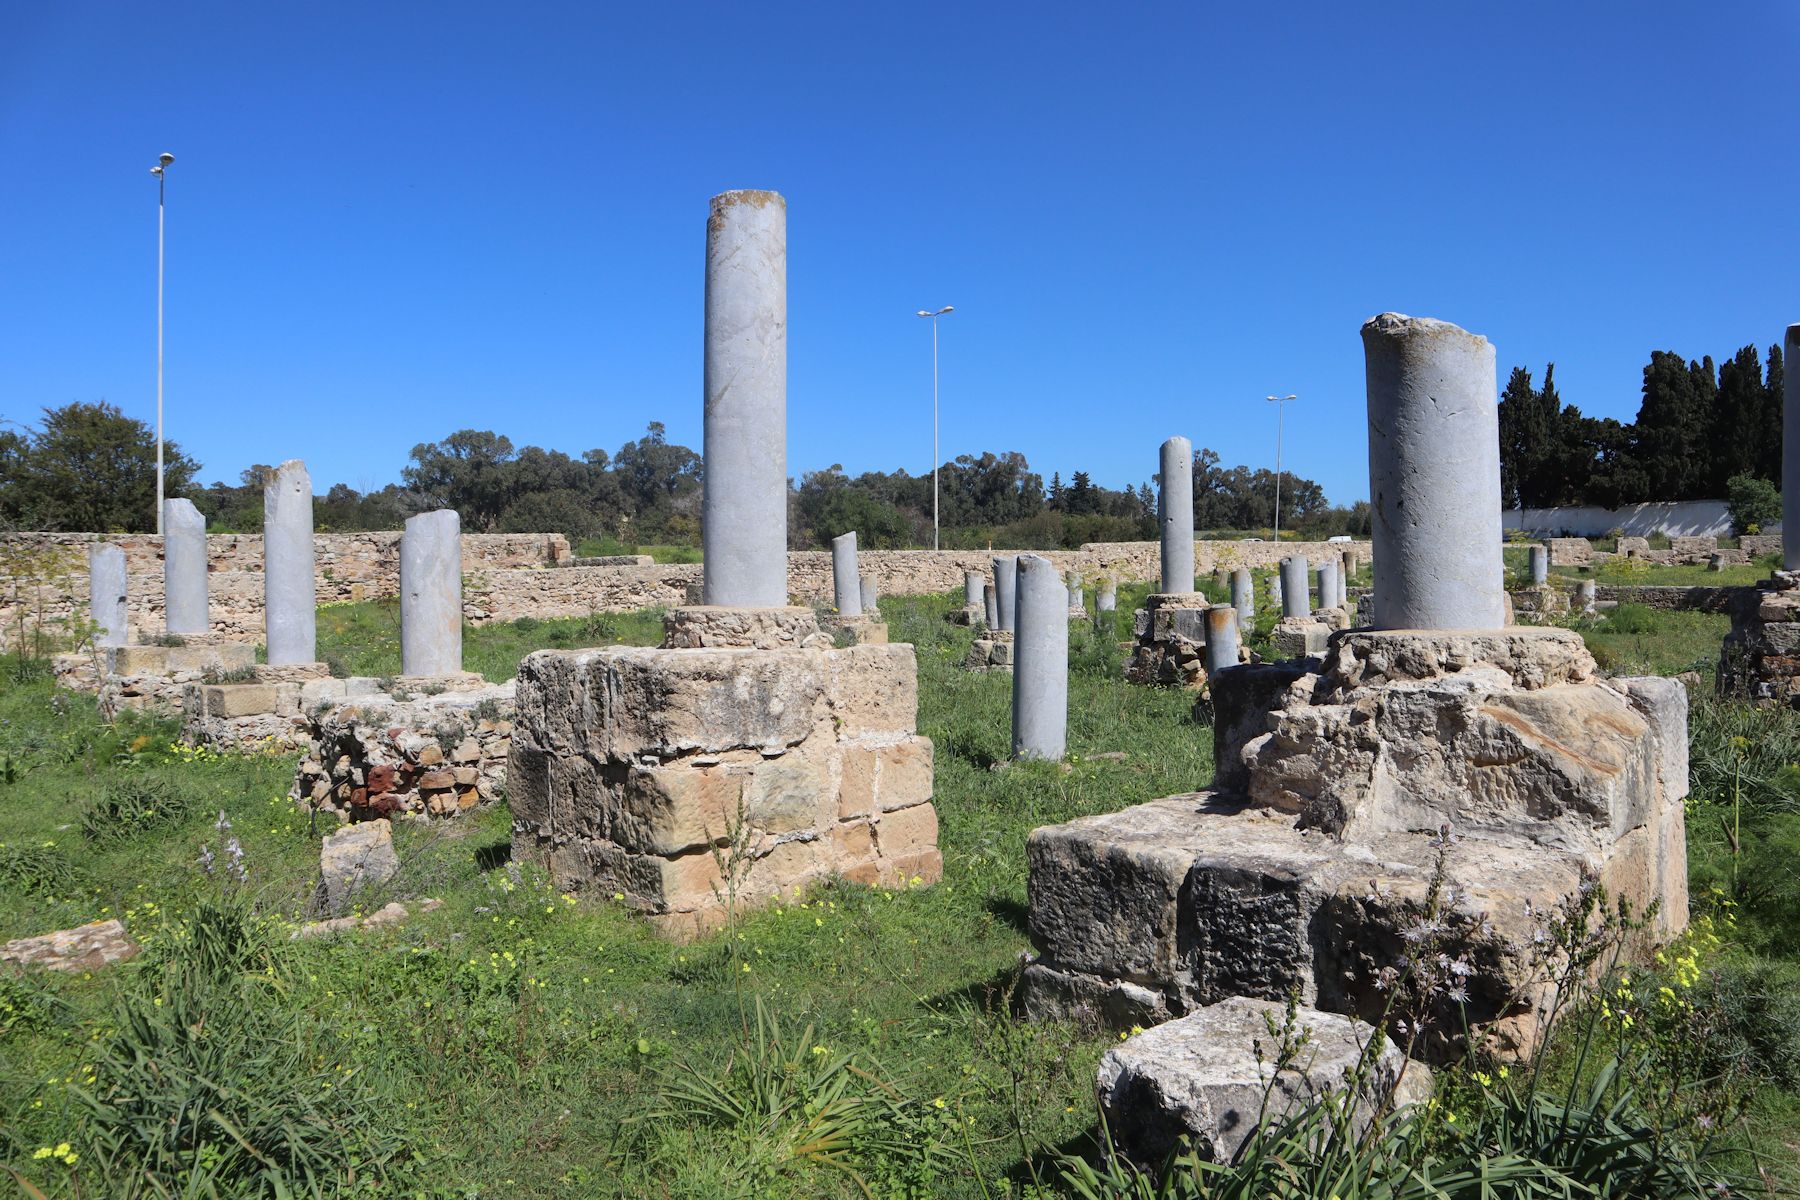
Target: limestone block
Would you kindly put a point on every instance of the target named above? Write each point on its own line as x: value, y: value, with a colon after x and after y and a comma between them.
x: 903, y: 774
x: 1529, y: 658
x: 1570, y: 552
x: 1301, y: 637
x: 872, y: 690
x: 1201, y: 1079
x: 1633, y: 547
x: 241, y: 699
x: 696, y: 626
x: 83, y: 948
x: 1198, y: 898
x: 353, y: 859
x: 907, y: 831
x: 626, y: 702
x: 862, y: 630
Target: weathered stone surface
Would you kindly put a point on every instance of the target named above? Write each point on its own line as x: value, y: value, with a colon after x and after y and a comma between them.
x: 689, y: 781
x: 1201, y: 1079
x: 353, y: 860
x: 369, y: 754
x: 1570, y: 552
x: 1301, y: 637
x: 83, y: 948
x: 716, y: 627
x: 1198, y: 898
x: 1529, y: 658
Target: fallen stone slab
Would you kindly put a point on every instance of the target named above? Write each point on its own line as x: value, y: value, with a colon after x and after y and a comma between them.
x: 391, y: 913
x: 82, y: 948
x: 354, y: 859
x: 1210, y: 1079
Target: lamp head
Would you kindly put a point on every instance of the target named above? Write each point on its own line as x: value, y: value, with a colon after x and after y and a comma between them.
x: 923, y: 313
x: 165, y: 158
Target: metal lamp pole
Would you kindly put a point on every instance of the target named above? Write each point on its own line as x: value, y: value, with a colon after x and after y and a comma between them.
x: 160, y: 171
x: 948, y: 308
x: 1278, y: 401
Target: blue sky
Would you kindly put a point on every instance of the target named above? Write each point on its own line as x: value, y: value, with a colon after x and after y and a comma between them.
x: 390, y: 221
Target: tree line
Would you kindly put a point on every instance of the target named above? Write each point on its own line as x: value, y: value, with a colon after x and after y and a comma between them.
x: 88, y: 467
x: 1699, y: 428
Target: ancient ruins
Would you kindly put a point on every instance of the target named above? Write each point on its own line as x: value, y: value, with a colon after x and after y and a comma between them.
x: 1439, y: 740
x: 746, y: 758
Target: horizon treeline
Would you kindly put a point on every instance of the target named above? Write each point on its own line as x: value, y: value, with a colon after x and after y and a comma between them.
x: 88, y: 467
x: 1698, y: 427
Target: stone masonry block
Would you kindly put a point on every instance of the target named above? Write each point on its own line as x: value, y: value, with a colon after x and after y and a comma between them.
x: 873, y: 689
x: 907, y: 831
x: 903, y: 773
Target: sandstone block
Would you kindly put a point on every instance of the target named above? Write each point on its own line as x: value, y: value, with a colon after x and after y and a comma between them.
x: 353, y: 859
x: 907, y: 831
x: 873, y: 690
x: 1200, y: 1078
x: 717, y: 626
x: 903, y: 773
x: 83, y: 948
x: 240, y: 699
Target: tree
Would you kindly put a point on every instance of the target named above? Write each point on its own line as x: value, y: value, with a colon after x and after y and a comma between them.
x: 1081, y: 498
x: 88, y: 467
x: 1671, y: 425
x: 466, y: 471
x: 1754, y: 503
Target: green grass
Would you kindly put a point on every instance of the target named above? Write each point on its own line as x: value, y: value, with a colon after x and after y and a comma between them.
x: 601, y: 547
x: 517, y: 1044
x: 515, y: 1076
x: 1634, y: 639
x: 364, y: 638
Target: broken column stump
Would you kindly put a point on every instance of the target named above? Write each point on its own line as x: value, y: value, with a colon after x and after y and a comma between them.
x: 691, y: 780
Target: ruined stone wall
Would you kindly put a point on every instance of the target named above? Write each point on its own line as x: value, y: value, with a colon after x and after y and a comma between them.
x: 351, y: 566
x: 508, y: 576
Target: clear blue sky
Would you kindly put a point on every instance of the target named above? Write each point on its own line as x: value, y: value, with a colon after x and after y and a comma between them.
x: 390, y: 221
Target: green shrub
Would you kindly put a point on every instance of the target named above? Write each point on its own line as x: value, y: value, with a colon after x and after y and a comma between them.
x: 207, y: 1084
x: 1633, y: 619
x: 1755, y: 1012
x: 791, y: 1102
x: 132, y: 806
x: 38, y: 870
x: 1754, y: 503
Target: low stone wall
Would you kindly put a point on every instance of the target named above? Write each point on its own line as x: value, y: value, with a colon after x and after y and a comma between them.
x: 507, y: 575
x: 350, y: 566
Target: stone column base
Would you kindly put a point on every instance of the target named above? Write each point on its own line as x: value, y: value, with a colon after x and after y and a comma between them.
x: 992, y: 650
x: 693, y: 783
x: 1760, y: 660
x: 710, y: 625
x: 1306, y: 867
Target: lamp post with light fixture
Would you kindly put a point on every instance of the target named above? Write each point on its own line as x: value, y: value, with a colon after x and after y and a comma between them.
x: 160, y: 171
x: 1278, y: 401
x: 948, y: 308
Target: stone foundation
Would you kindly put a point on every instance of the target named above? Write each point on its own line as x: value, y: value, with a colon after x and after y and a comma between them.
x: 857, y: 631
x: 692, y: 780
x: 1305, y: 867
x: 154, y: 676
x: 1760, y: 660
x: 992, y: 650
x: 264, y: 714
x: 1169, y: 640
x: 425, y: 746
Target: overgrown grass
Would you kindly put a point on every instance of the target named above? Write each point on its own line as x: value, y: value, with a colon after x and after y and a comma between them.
x: 601, y: 547
x: 363, y: 638
x: 1634, y: 639
x: 515, y: 1043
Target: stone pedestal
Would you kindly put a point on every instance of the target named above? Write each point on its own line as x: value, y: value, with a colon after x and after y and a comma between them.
x: 1760, y: 660
x: 695, y: 781
x: 154, y: 677
x: 992, y: 651
x: 1169, y: 635
x: 1312, y: 855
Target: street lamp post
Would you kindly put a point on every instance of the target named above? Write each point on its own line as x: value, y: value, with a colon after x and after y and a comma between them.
x: 160, y: 171
x: 948, y: 308
x: 1278, y: 401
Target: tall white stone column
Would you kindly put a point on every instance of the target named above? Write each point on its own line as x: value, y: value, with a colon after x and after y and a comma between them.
x: 290, y: 593
x: 846, y: 588
x: 1040, y: 661
x: 744, y: 513
x: 1221, y: 638
x: 431, y: 609
x: 1790, y: 451
x: 184, y: 568
x: 1434, y: 475
x: 1175, y: 510
x: 1296, y: 590
x: 106, y: 595
x: 1243, y: 597
x: 1005, y: 581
